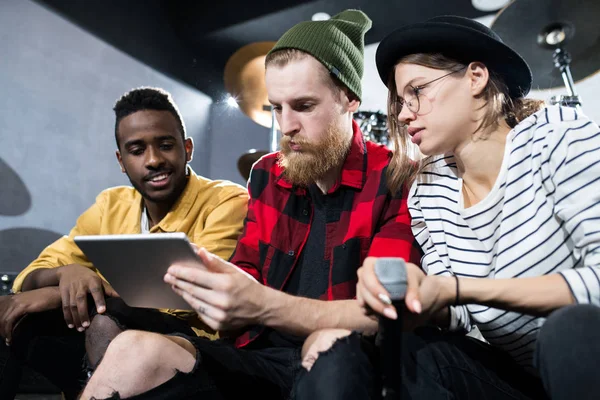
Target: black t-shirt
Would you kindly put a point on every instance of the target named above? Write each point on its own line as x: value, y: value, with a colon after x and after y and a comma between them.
x: 310, y: 277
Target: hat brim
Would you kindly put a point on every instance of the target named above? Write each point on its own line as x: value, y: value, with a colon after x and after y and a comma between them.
x: 458, y: 42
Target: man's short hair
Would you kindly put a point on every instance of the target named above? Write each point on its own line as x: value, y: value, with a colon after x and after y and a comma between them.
x: 146, y: 98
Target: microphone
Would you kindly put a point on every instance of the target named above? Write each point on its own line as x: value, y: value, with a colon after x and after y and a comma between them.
x: 391, y: 273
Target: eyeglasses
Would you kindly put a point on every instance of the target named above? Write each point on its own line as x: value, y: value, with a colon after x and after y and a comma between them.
x: 411, y: 96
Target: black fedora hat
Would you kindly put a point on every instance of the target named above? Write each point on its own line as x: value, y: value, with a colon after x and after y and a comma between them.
x: 460, y: 38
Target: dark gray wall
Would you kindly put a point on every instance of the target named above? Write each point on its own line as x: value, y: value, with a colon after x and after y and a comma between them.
x: 58, y: 84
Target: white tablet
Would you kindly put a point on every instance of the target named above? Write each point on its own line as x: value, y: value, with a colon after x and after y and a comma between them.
x: 135, y: 265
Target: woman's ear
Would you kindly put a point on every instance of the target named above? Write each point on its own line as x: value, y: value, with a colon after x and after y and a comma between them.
x: 479, y: 76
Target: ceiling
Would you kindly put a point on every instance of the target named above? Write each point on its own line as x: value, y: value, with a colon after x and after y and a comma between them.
x: 191, y: 40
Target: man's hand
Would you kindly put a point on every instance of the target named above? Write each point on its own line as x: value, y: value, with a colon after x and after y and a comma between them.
x: 426, y: 296
x: 75, y: 283
x: 224, y: 296
x: 15, y: 307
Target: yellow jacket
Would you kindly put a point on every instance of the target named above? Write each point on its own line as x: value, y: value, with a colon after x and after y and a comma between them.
x: 211, y: 213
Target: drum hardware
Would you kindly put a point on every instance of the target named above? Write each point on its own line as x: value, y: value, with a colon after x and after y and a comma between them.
x: 373, y: 125
x: 244, y: 78
x: 554, y: 37
x: 567, y: 32
x: 6, y: 282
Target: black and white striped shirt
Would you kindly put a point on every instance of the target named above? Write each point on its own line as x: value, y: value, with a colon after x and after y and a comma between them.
x: 541, y: 217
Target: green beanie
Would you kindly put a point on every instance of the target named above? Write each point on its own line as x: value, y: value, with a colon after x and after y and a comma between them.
x: 338, y: 43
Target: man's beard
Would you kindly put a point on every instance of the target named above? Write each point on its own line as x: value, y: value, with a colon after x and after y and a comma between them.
x: 315, y: 159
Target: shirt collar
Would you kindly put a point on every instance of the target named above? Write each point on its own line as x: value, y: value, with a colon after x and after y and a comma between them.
x: 181, y: 208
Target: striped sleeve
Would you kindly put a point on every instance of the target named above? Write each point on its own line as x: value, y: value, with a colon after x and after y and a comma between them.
x: 431, y: 262
x: 573, y: 182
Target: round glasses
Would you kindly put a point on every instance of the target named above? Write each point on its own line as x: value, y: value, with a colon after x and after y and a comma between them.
x: 411, y: 97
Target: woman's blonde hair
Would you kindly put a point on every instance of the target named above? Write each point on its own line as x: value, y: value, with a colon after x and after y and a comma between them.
x: 403, y: 170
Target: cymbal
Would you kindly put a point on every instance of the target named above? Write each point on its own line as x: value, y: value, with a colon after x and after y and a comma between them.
x: 244, y: 77
x: 520, y: 23
x: 247, y: 160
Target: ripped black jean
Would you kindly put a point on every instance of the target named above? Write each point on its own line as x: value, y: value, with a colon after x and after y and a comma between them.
x: 45, y: 343
x: 224, y: 372
x: 438, y: 365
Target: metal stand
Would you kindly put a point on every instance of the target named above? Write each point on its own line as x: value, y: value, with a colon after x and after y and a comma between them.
x: 273, y: 137
x: 554, y: 37
x: 562, y: 60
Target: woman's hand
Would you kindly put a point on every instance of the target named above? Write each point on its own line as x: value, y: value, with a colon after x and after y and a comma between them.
x: 427, y: 297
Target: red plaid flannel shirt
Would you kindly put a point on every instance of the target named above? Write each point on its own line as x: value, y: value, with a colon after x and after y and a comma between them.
x: 372, y: 223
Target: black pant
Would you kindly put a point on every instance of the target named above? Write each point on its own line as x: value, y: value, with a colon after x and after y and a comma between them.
x: 438, y: 365
x: 45, y: 343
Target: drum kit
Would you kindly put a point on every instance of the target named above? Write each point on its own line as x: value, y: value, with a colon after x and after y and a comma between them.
x: 554, y: 36
x: 559, y: 39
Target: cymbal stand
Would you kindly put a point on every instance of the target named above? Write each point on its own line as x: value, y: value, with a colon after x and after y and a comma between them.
x: 562, y: 60
x: 273, y: 136
x: 554, y: 37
